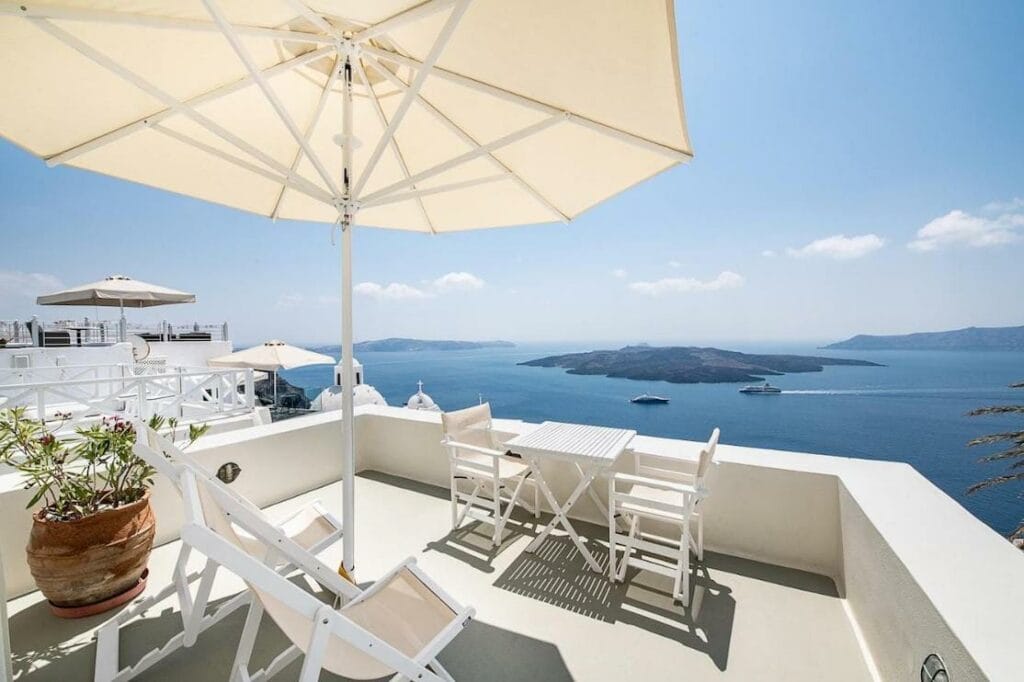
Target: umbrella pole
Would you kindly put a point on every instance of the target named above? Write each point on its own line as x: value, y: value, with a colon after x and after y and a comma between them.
x: 348, y: 449
x: 122, y: 325
x: 275, y: 388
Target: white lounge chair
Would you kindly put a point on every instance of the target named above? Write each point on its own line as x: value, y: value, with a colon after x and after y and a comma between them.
x: 658, y: 490
x: 312, y: 528
x: 475, y: 456
x: 397, y: 626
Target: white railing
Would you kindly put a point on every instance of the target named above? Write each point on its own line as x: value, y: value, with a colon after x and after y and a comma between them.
x: 88, y: 332
x: 96, y: 390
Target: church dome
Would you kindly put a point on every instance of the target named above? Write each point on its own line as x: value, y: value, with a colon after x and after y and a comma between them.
x: 421, y: 401
x: 364, y: 394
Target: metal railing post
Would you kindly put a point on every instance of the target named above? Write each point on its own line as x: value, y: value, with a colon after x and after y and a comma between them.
x: 250, y: 390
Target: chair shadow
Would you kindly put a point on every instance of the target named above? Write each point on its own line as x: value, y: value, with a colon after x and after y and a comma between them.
x: 471, y: 544
x: 557, y: 574
x: 480, y: 652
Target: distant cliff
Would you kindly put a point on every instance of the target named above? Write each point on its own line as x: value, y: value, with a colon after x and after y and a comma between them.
x: 971, y: 338
x: 688, y: 365
x: 392, y: 345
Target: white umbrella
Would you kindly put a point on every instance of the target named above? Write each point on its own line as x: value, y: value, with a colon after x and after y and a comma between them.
x: 117, y: 291
x: 430, y: 116
x: 272, y: 356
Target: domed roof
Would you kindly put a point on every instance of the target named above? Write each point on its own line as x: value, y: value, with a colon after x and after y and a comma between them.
x: 421, y: 401
x: 364, y: 394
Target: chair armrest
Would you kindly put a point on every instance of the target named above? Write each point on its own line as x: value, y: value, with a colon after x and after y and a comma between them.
x: 473, y: 448
x: 673, y: 486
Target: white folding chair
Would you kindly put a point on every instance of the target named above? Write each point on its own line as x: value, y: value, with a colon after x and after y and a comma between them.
x: 312, y: 528
x: 659, y: 491
x: 396, y: 627
x: 475, y: 456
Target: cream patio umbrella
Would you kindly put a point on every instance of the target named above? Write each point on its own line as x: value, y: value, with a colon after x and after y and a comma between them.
x: 117, y: 291
x: 272, y: 356
x: 424, y: 115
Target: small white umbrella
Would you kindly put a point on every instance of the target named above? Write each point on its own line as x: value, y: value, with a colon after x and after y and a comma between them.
x: 117, y: 291
x: 272, y: 356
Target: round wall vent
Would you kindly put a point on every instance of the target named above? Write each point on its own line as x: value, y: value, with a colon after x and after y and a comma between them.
x: 934, y: 670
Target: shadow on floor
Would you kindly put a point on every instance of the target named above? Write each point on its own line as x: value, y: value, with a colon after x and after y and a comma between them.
x: 480, y: 652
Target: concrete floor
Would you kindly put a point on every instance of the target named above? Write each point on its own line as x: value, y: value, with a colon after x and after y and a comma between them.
x: 540, y: 616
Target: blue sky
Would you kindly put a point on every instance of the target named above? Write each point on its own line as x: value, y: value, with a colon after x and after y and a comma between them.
x: 859, y: 168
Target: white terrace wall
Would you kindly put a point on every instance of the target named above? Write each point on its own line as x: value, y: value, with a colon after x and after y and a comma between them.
x: 919, y: 574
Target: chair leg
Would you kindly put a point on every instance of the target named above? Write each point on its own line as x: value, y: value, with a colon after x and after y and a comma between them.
x: 240, y: 669
x: 700, y: 537
x: 682, y: 586
x: 313, y: 662
x: 455, y: 502
x: 536, y: 498
x: 496, y: 540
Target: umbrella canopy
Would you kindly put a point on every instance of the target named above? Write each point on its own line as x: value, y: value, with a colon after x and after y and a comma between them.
x: 423, y: 115
x: 272, y: 356
x: 117, y: 291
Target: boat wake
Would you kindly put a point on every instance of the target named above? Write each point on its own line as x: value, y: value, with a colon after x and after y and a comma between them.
x: 886, y: 391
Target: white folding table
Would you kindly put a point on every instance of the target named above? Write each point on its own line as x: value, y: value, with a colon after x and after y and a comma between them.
x: 591, y: 449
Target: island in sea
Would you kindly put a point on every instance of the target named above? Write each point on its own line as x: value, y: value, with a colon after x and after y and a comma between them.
x: 688, y: 364
x: 393, y: 345
x: 971, y: 338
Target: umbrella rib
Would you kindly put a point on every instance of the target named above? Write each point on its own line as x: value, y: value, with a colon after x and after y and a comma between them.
x: 198, y: 100
x: 440, y: 189
x: 482, y: 150
x: 275, y: 102
x: 314, y: 18
x: 416, y: 13
x: 317, y: 113
x: 394, y: 142
x: 241, y: 163
x: 529, y: 102
x: 155, y: 92
x: 470, y: 140
x: 153, y: 21
x: 410, y: 95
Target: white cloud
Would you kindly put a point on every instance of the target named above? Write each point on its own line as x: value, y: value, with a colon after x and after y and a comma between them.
x: 290, y: 300
x: 768, y: 253
x: 840, y: 247
x: 457, y: 281
x: 26, y: 285
x: 685, y: 285
x: 675, y: 264
x: 1015, y: 204
x: 397, y: 291
x: 958, y: 228
x: 619, y: 273
x: 391, y: 292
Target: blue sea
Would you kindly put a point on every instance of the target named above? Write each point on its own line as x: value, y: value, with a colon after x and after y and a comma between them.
x: 911, y: 410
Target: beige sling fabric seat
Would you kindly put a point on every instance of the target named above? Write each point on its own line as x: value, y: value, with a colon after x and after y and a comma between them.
x: 397, y: 626
x: 476, y: 456
x: 312, y: 528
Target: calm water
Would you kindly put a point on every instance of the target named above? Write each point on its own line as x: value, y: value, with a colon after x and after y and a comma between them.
x: 911, y: 410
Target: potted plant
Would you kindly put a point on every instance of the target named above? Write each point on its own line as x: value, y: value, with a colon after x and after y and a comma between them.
x: 92, y: 537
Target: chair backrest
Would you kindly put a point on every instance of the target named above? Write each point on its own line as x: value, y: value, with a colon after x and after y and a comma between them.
x: 471, y: 426
x: 707, y: 455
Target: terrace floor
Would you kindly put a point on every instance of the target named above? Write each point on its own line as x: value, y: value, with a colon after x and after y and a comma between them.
x: 540, y: 617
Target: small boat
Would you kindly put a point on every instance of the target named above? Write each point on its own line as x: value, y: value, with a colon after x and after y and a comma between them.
x: 761, y: 389
x: 646, y: 399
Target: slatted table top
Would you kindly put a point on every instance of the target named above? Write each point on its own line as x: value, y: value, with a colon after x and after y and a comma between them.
x: 573, y: 442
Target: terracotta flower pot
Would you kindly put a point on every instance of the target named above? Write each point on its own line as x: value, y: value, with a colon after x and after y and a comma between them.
x: 87, y: 561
